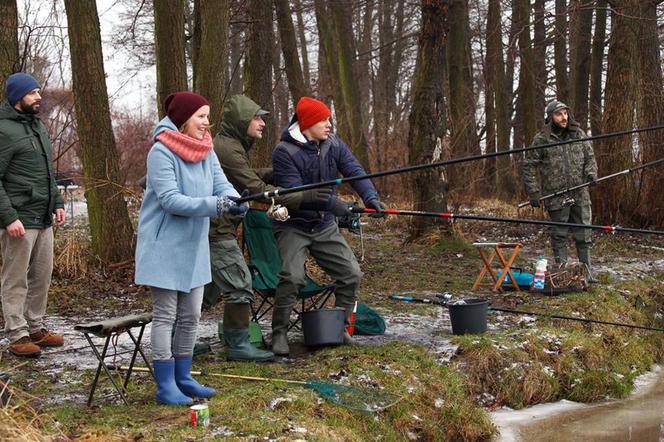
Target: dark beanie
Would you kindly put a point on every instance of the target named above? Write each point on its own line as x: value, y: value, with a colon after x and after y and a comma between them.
x: 18, y: 85
x: 311, y: 111
x: 180, y: 106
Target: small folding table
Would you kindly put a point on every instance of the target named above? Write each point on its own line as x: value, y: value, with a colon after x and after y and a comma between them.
x: 506, y: 263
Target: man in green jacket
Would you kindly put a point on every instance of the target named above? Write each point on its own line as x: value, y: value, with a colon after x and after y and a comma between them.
x: 242, y: 123
x: 559, y: 168
x: 29, y: 198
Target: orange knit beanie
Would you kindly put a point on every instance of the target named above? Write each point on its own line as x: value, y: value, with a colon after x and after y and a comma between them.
x: 311, y: 111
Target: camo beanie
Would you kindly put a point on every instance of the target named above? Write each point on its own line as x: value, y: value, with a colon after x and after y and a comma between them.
x: 553, y: 106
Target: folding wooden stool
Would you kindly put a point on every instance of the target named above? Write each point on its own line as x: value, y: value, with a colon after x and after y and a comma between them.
x: 111, y: 329
x: 506, y: 263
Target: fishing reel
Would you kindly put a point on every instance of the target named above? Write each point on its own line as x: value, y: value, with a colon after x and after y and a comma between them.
x: 351, y: 221
x: 277, y: 212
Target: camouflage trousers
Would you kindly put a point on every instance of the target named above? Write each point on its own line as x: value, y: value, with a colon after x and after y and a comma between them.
x: 582, y: 237
x: 231, y: 277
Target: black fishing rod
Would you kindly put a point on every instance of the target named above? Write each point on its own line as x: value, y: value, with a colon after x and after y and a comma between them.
x: 524, y: 312
x: 338, y: 181
x: 580, y: 186
x: 453, y: 216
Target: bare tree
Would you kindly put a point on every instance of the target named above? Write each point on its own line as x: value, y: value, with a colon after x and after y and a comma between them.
x: 296, y: 83
x: 211, y: 53
x: 169, y: 44
x: 560, y: 51
x: 580, y: 60
x: 8, y: 41
x: 258, y: 72
x: 427, y: 116
x: 110, y: 227
x: 597, y: 68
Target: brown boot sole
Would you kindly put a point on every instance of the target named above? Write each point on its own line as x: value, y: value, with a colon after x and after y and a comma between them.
x: 34, y: 355
x: 47, y: 344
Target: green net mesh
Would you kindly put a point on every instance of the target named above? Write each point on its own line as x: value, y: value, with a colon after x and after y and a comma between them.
x: 355, y: 398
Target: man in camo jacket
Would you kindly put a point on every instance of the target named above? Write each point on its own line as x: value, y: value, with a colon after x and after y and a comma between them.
x: 559, y: 168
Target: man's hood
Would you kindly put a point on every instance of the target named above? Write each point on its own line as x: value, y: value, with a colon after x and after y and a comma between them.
x: 239, y: 110
x: 8, y: 112
x: 293, y: 134
x: 164, y: 124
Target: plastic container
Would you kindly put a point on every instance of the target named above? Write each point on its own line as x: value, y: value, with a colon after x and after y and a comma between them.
x: 468, y: 316
x: 540, y: 274
x: 323, y: 326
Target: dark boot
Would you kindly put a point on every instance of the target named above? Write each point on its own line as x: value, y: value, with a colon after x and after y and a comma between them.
x: 167, y: 391
x: 186, y: 383
x: 583, y: 251
x: 559, y: 253
x: 280, y: 321
x: 236, y: 335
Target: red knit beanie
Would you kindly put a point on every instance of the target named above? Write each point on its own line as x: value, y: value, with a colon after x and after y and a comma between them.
x: 180, y: 106
x: 311, y: 111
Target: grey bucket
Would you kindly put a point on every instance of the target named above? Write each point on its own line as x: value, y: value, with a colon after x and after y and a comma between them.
x: 323, y: 326
x: 4, y: 389
x: 468, y: 317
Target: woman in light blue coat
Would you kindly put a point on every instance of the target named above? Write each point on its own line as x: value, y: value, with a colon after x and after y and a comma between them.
x: 185, y: 187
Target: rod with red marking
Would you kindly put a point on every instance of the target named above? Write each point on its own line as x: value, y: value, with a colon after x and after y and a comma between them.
x: 506, y: 220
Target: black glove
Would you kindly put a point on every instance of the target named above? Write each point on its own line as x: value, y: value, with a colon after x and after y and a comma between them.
x: 535, y: 202
x: 239, y: 209
x: 338, y: 207
x: 592, y: 180
x: 317, y: 197
x: 378, y: 206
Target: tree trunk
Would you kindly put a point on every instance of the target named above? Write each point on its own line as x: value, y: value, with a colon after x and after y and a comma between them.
x: 296, y: 84
x: 499, y: 136
x: 616, y: 200
x: 329, y: 80
x: 348, y: 81
x: 539, y: 57
x: 597, y: 68
x: 303, y: 43
x: 363, y: 71
x: 110, y: 228
x: 8, y: 42
x: 560, y: 51
x: 650, y: 96
x: 258, y: 74
x: 526, y: 98
x: 463, y: 135
x: 169, y: 49
x: 211, y: 36
x: 235, y: 69
x: 580, y: 61
x: 427, y: 117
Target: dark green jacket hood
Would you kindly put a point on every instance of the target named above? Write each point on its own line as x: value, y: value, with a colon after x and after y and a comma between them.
x: 238, y: 113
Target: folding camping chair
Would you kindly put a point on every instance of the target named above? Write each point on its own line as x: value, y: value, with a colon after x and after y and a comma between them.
x: 265, y: 265
x: 111, y: 329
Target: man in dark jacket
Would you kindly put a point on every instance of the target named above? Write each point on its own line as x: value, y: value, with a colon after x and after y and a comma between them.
x: 308, y: 153
x: 29, y: 197
x: 242, y: 123
x: 559, y: 168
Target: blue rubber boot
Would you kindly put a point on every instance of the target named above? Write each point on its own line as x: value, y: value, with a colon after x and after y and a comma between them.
x: 167, y: 391
x: 186, y: 383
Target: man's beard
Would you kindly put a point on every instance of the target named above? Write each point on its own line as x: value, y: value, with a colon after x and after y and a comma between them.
x: 30, y: 108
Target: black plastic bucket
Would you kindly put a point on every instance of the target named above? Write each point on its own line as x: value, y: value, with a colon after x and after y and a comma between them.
x: 4, y: 389
x: 324, y: 326
x: 468, y: 317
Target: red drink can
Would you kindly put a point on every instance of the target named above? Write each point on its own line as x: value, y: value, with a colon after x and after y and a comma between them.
x: 199, y: 415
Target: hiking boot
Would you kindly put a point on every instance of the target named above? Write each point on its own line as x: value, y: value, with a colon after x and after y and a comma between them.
x: 44, y: 338
x: 25, y: 348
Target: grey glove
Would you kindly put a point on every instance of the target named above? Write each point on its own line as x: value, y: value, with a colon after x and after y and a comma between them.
x: 535, y: 203
x: 592, y: 180
x: 338, y: 207
x: 239, y: 209
x: 378, y: 206
x: 317, y: 196
x: 227, y: 204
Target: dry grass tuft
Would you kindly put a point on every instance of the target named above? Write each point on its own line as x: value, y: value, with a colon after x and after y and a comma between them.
x: 72, y: 254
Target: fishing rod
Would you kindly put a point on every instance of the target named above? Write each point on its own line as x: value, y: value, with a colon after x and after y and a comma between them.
x: 453, y: 216
x: 580, y: 186
x: 338, y: 181
x: 524, y: 312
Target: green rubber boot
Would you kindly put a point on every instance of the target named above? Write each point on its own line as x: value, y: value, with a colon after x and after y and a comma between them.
x: 280, y: 320
x: 236, y: 336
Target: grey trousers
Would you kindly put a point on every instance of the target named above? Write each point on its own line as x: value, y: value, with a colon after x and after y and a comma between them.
x: 583, y: 237
x: 181, y: 310
x: 331, y: 252
x: 230, y: 275
x: 27, y: 265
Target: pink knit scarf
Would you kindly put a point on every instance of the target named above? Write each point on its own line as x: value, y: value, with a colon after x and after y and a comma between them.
x: 188, y: 148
